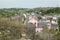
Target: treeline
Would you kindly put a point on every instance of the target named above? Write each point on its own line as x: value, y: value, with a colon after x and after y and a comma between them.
x: 53, y: 10
x: 8, y: 12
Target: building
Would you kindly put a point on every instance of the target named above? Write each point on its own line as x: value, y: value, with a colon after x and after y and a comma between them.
x: 33, y: 19
x: 18, y: 17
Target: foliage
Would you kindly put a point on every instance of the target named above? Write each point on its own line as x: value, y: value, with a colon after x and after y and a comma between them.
x: 30, y: 31
x: 10, y: 30
x: 39, y: 18
x: 56, y: 37
x: 54, y: 10
x: 11, y: 11
x: 59, y: 24
x: 8, y: 12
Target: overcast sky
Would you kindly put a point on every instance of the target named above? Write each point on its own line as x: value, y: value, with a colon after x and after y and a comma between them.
x: 28, y: 3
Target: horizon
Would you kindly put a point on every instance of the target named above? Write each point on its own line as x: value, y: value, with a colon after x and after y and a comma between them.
x: 30, y: 8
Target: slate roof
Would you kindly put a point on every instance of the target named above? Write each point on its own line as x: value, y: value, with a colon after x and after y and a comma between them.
x: 42, y: 24
x: 54, y: 26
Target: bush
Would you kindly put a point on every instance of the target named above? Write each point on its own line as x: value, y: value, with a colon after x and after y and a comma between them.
x: 9, y: 29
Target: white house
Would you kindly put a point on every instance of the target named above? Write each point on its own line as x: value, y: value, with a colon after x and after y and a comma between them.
x: 54, y: 20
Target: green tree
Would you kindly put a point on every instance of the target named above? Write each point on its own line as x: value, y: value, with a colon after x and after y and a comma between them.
x: 10, y: 29
x: 59, y: 24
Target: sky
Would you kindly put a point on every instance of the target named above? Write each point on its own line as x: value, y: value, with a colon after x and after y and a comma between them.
x: 28, y: 3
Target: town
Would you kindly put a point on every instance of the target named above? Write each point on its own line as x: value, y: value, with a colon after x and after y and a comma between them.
x: 32, y: 24
x: 29, y: 19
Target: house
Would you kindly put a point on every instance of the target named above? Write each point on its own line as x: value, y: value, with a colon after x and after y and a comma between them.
x: 48, y: 21
x: 18, y: 17
x: 40, y: 26
x: 33, y: 19
x: 47, y: 17
x: 54, y: 26
x: 54, y: 20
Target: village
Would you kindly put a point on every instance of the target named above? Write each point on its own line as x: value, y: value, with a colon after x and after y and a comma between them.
x: 29, y: 19
x: 32, y: 24
x: 45, y: 21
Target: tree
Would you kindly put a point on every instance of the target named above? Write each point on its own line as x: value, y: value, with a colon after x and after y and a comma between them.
x: 30, y: 31
x: 10, y: 30
x: 39, y: 17
x: 59, y: 23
